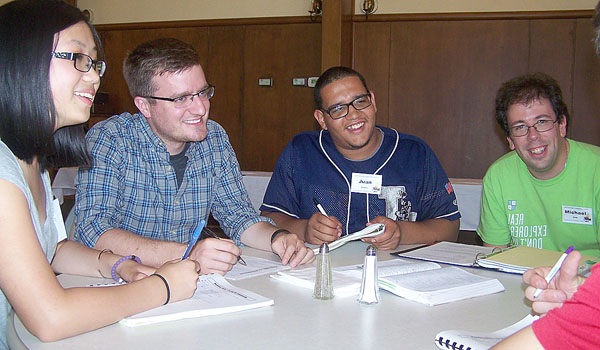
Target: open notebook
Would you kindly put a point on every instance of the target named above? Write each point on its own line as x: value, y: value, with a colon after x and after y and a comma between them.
x: 421, y: 281
x: 213, y: 296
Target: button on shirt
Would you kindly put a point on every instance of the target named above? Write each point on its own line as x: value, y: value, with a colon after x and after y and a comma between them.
x: 132, y: 186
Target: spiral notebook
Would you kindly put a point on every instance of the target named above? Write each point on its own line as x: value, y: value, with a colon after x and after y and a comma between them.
x: 520, y: 259
x: 464, y: 340
x: 447, y: 253
x: 515, y: 260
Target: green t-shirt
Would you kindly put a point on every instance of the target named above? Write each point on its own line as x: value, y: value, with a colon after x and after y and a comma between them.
x: 551, y: 214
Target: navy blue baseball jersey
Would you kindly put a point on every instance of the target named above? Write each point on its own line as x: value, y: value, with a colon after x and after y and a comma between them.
x: 414, y: 186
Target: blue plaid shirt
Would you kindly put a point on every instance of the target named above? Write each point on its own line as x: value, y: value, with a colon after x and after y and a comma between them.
x: 132, y: 186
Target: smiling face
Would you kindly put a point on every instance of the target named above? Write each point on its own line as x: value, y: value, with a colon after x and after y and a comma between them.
x: 354, y: 135
x: 176, y: 126
x: 544, y: 153
x: 73, y: 91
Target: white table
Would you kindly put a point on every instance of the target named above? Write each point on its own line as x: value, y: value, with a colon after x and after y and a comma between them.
x: 297, y: 321
x: 64, y: 183
x: 468, y: 197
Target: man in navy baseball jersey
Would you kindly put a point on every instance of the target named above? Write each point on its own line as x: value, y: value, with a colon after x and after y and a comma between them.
x: 360, y: 174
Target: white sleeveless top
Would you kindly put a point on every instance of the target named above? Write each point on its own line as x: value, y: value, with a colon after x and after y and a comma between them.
x: 47, y: 233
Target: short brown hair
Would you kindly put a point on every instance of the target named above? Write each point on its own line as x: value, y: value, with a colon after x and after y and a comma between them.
x: 154, y: 58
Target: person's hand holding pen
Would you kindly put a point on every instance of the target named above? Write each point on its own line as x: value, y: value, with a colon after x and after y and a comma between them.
x: 215, y: 255
x: 322, y: 228
x: 558, y: 290
x: 211, y: 234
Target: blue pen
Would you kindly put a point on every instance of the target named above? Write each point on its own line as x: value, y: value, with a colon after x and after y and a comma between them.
x: 194, y: 239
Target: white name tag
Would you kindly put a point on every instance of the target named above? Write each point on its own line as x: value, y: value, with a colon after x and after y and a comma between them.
x: 366, y: 183
x: 577, y: 215
x: 58, y: 221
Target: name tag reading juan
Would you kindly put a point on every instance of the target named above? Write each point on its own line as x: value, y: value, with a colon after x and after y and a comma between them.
x: 577, y: 215
x: 366, y: 183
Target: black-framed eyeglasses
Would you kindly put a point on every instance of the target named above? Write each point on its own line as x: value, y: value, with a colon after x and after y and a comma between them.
x: 541, y: 125
x: 82, y: 62
x: 341, y: 110
x: 186, y: 100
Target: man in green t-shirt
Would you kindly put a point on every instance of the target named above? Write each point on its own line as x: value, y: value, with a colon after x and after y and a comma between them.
x: 546, y: 192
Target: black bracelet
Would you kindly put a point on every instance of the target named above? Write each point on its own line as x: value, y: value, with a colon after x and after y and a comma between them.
x: 281, y: 230
x: 166, y: 285
x: 104, y: 251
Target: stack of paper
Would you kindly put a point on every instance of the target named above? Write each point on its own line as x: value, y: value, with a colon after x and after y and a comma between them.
x: 425, y: 282
x: 343, y: 284
x: 439, y: 286
x: 213, y: 296
x: 428, y: 283
x: 254, y: 267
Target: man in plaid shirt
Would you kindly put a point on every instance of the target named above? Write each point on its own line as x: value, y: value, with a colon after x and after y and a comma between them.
x: 156, y: 174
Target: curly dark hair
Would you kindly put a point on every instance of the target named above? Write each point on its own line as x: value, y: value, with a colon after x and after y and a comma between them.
x: 525, y: 89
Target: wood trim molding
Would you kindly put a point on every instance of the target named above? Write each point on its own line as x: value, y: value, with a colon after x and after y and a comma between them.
x: 466, y: 16
x: 458, y: 16
x: 209, y: 23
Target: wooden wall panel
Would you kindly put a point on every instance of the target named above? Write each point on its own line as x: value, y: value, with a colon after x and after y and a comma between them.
x: 272, y: 115
x: 336, y: 37
x: 260, y: 121
x: 433, y: 77
x: 443, y: 80
x: 372, y: 59
x: 225, y: 71
x: 585, y: 110
x: 552, y: 51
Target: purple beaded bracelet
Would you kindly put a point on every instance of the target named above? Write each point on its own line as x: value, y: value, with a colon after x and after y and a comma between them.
x: 113, y: 271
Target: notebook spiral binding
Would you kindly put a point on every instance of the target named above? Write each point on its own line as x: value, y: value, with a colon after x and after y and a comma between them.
x: 453, y: 346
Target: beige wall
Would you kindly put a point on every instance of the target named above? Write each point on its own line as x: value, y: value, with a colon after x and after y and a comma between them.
x: 119, y: 11
x: 428, y: 6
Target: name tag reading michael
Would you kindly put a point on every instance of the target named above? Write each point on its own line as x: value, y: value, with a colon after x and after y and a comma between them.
x: 366, y: 183
x: 577, y: 215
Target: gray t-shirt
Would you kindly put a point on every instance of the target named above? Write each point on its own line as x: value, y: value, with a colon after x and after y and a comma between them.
x: 47, y: 233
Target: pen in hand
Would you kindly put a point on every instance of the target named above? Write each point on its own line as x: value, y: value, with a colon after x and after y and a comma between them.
x: 210, y: 233
x: 554, y: 270
x: 319, y: 207
x: 194, y: 239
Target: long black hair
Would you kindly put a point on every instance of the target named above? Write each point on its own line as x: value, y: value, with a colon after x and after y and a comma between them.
x: 27, y: 111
